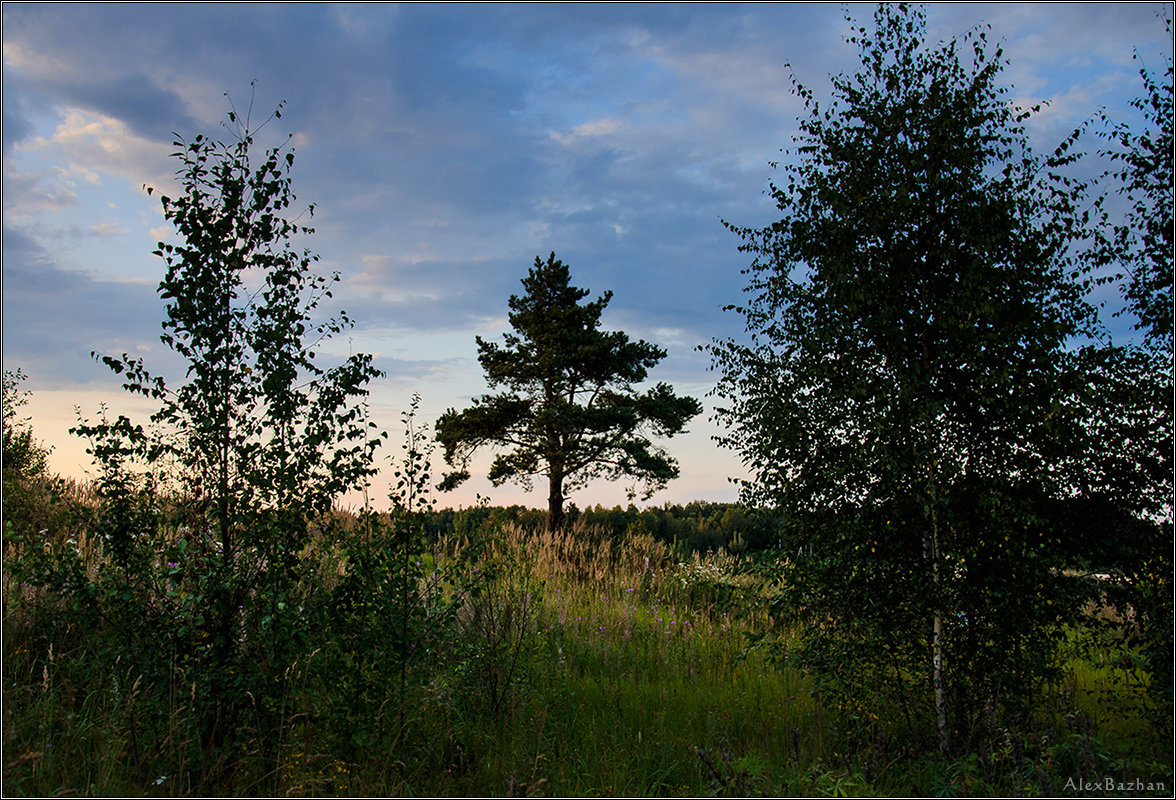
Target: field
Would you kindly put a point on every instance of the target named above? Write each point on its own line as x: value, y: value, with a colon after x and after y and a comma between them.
x: 508, y: 663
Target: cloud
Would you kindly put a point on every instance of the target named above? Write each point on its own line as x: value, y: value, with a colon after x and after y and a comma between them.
x: 415, y: 373
x: 592, y: 129
x: 30, y: 193
x: 446, y: 147
x: 27, y: 56
x: 89, y: 144
x: 16, y: 124
x: 109, y: 229
x: 429, y: 294
x: 54, y: 316
x: 142, y: 109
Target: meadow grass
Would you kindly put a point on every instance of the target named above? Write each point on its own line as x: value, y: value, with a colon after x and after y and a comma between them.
x: 585, y: 666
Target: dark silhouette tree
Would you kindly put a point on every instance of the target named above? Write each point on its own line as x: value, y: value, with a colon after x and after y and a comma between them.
x: 24, y: 456
x: 901, y: 394
x: 25, y: 465
x: 1142, y: 242
x: 1128, y: 418
x: 568, y: 409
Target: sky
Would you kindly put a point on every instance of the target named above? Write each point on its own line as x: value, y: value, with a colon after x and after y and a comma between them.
x: 444, y: 148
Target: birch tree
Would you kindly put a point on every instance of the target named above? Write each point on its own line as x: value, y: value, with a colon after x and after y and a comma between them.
x: 900, y: 390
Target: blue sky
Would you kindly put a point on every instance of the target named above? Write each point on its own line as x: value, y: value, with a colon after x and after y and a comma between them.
x: 445, y: 146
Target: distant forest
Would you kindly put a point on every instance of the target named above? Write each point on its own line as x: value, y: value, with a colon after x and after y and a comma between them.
x: 697, y: 527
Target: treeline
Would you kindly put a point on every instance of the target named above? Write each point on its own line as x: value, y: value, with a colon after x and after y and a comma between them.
x: 696, y: 527
x: 1095, y: 536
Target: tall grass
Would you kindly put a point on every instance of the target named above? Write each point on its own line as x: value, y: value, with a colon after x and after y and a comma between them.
x: 573, y: 664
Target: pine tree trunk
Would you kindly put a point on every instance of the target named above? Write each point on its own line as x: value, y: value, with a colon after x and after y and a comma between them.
x: 555, y: 513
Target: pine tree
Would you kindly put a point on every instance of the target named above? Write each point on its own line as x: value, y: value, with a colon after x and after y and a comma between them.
x: 568, y: 409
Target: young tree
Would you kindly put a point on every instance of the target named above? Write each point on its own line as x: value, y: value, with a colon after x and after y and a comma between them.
x: 263, y: 437
x: 25, y: 465
x: 900, y: 390
x: 24, y: 457
x: 568, y: 409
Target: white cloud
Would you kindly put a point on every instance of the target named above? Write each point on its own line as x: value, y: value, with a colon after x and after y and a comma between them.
x: 109, y: 229
x: 36, y: 62
x: 672, y: 336
x: 92, y: 143
x: 605, y: 126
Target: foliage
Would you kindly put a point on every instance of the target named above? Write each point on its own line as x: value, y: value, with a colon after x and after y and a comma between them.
x: 407, y: 616
x: 202, y: 518
x: 1130, y: 420
x: 569, y: 409
x: 28, y: 487
x: 901, y: 394
x: 622, y: 676
x: 1142, y: 242
x: 23, y: 456
x: 495, y: 626
x: 385, y: 614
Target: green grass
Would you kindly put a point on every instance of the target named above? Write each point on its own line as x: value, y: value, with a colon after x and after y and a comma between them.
x: 625, y: 677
